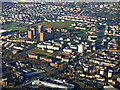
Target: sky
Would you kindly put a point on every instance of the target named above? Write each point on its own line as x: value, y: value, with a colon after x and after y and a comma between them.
x: 61, y: 0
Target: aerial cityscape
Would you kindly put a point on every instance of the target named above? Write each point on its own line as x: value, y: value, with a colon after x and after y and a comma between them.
x: 60, y: 45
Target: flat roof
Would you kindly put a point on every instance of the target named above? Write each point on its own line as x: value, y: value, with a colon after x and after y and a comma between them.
x: 1, y: 31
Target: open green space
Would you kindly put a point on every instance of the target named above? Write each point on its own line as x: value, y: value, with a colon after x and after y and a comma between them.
x: 55, y: 25
x: 36, y: 51
x: 15, y: 26
x: 23, y: 27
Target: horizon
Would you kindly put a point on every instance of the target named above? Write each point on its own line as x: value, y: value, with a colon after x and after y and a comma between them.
x: 59, y: 0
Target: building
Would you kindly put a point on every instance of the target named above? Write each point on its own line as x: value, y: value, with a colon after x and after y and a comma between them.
x: 4, y: 82
x: 102, y: 72
x: 14, y: 51
x: 54, y: 65
x: 46, y: 35
x: 30, y: 34
x: 42, y: 36
x: 67, y: 50
x: 40, y: 28
x: 109, y: 74
x: 94, y: 48
x: 33, y: 56
x: 58, y: 30
x: 49, y: 29
x: 118, y: 79
x: 34, y: 30
x: 56, y: 84
x: 81, y: 48
x: 92, y: 38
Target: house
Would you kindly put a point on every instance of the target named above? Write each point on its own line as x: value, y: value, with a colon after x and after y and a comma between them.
x: 50, y: 51
x: 92, y: 38
x: 67, y: 50
x: 50, y: 47
x: 31, y: 42
x: 42, y: 57
x: 18, y: 48
x: 41, y: 46
x: 4, y: 82
x: 48, y: 59
x: 56, y: 48
x: 33, y: 56
x: 15, y: 51
x: 82, y: 75
x: 54, y: 65
x: 59, y: 57
x: 65, y: 59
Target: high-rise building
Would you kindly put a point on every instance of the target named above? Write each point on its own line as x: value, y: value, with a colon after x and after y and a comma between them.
x: 40, y: 28
x: 30, y: 34
x: 34, y: 30
x: 46, y: 35
x: 81, y: 48
x: 42, y: 36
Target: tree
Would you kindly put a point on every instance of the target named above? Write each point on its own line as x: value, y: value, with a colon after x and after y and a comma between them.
x: 62, y: 67
x: 54, y: 73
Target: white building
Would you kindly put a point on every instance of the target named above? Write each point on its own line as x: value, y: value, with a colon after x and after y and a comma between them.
x: 109, y: 74
x: 92, y: 38
x: 118, y: 79
x: 50, y: 51
x: 19, y: 48
x: 41, y: 46
x: 81, y: 48
x: 101, y: 6
x: 67, y: 50
x: 102, y: 72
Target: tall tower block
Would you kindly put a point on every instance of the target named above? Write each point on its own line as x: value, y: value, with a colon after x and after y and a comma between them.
x: 34, y: 30
x: 42, y: 38
x: 30, y: 34
x: 40, y: 28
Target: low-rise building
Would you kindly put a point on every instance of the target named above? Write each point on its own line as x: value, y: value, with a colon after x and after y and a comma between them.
x: 32, y: 56
x: 67, y: 50
x: 54, y: 65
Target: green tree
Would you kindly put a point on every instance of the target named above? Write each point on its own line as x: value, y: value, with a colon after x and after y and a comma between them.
x: 63, y: 67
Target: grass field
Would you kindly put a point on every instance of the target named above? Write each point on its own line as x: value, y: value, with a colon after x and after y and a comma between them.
x: 15, y: 26
x: 23, y: 27
x: 37, y: 51
x: 55, y: 25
